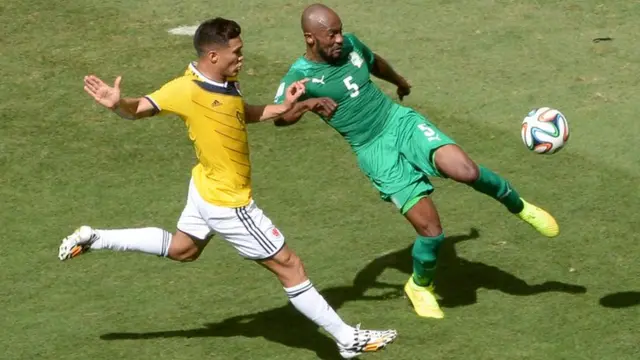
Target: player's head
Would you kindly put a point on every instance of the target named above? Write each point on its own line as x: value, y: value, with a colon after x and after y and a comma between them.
x: 218, y: 41
x: 322, y: 30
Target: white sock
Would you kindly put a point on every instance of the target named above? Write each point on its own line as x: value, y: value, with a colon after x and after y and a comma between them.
x: 150, y: 240
x: 306, y: 299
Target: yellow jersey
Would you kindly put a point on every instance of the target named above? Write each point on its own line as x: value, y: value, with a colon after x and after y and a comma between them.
x: 214, y: 115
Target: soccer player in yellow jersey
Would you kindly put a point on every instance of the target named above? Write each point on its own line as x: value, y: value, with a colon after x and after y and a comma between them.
x: 208, y: 99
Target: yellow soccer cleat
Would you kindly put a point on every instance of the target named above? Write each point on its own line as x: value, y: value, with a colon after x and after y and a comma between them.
x: 423, y: 300
x: 539, y: 219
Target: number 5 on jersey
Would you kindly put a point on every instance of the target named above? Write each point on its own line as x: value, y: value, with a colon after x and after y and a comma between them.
x: 355, y: 90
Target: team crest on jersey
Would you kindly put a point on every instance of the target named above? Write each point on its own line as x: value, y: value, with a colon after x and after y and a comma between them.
x: 355, y: 59
x: 239, y: 117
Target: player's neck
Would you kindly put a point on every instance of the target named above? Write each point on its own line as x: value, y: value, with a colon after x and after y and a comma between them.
x: 309, y: 55
x: 209, y: 73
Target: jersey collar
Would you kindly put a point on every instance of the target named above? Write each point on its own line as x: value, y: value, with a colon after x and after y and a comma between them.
x: 195, y: 70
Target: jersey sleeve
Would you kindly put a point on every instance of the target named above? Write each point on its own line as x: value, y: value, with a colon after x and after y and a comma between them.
x: 291, y: 77
x: 369, y: 58
x: 170, y: 98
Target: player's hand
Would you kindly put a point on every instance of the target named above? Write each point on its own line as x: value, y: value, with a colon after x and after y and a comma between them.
x: 102, y: 93
x: 294, y: 91
x: 404, y: 88
x: 324, y: 107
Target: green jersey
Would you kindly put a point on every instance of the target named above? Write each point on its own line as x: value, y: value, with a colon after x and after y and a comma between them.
x: 363, y: 109
x: 394, y: 145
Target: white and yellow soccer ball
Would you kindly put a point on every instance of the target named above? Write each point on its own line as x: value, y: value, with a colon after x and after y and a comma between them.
x: 545, y: 130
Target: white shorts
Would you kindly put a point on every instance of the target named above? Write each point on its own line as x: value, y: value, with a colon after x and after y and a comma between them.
x: 247, y: 228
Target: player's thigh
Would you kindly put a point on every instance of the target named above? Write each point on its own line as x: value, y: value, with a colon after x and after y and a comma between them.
x: 424, y: 217
x: 247, y: 229
x: 397, y: 180
x: 193, y: 231
x: 419, y: 142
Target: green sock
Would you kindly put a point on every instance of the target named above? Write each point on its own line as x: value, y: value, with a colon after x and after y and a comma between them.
x: 424, y: 253
x: 497, y: 187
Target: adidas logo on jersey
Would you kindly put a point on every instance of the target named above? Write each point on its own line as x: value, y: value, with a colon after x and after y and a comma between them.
x: 216, y: 103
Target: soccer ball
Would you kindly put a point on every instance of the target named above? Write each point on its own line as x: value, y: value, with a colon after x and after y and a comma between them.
x: 545, y: 130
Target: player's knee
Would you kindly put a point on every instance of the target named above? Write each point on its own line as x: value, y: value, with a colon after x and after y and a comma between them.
x: 185, y: 255
x: 184, y: 251
x: 287, y: 266
x: 289, y: 260
x: 424, y: 218
x: 465, y: 171
x: 427, y: 226
x: 293, y: 266
x: 429, y: 229
x: 453, y: 162
x: 469, y: 171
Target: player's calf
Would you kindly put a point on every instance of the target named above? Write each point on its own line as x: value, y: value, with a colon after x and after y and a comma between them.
x: 419, y: 289
x: 150, y: 240
x: 454, y: 163
x: 289, y: 270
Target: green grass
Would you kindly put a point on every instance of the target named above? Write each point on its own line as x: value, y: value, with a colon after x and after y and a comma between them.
x: 477, y: 68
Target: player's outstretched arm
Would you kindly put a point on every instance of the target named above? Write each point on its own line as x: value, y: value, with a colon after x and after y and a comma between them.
x: 383, y: 70
x: 109, y: 97
x: 257, y: 113
x: 322, y: 106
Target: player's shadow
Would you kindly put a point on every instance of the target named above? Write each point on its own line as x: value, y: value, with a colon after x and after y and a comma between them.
x: 282, y: 325
x: 457, y: 282
x: 458, y: 279
x: 621, y: 300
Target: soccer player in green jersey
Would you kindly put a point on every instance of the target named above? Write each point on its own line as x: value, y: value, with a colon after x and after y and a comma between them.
x: 397, y: 148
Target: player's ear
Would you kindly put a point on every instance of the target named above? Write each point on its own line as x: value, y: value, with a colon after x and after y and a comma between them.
x: 308, y: 38
x: 213, y: 56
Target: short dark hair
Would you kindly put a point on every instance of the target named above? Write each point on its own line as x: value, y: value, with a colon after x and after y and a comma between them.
x: 217, y: 31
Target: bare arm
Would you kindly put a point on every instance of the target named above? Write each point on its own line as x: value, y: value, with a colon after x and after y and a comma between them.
x: 257, y: 113
x: 109, y: 97
x: 293, y: 116
x: 134, y: 108
x: 320, y: 106
x: 383, y: 70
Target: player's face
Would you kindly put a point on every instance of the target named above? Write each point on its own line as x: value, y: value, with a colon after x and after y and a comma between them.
x: 329, y: 41
x: 229, y: 59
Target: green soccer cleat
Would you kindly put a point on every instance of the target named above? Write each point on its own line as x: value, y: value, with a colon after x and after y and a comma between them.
x: 539, y: 219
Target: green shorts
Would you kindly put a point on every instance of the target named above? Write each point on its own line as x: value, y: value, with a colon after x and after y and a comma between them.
x: 399, y: 162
